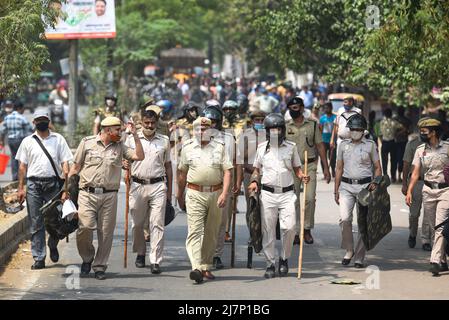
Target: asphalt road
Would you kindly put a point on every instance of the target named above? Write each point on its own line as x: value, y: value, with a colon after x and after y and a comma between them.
x: 395, y: 271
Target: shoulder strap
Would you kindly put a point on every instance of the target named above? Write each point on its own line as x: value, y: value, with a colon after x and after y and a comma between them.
x: 47, y: 154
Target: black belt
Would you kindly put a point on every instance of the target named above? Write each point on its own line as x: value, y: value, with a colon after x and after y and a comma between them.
x: 311, y: 160
x: 152, y: 180
x: 279, y: 190
x: 433, y: 185
x: 357, y: 181
x: 97, y: 190
x: 43, y: 179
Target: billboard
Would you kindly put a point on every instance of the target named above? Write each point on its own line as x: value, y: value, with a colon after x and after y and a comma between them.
x: 84, y: 19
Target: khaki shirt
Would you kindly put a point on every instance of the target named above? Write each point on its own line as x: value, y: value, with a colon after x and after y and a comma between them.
x: 204, y: 165
x: 432, y: 161
x: 410, y: 149
x: 276, y: 164
x: 358, y: 158
x: 237, y: 127
x: 306, y: 136
x: 247, y: 147
x: 101, y: 165
x: 157, y: 154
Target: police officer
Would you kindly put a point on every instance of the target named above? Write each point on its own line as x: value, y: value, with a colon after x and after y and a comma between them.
x: 231, y: 118
x: 276, y: 160
x: 190, y: 113
x: 216, y: 117
x: 206, y: 171
x: 357, y: 159
x: 150, y: 190
x: 110, y: 110
x: 388, y: 129
x: 427, y: 233
x: 432, y: 157
x: 307, y: 137
x: 341, y: 131
x: 98, y: 160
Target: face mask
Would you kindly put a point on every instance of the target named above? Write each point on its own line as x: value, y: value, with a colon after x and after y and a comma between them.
x: 259, y: 126
x: 116, y: 138
x: 110, y: 103
x: 42, y: 126
x: 347, y: 108
x: 148, y: 132
x: 424, y: 137
x: 356, y: 135
x: 295, y: 113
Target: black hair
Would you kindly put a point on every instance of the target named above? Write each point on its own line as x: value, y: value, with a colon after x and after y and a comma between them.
x: 104, y: 1
x: 388, y: 113
x: 149, y: 114
x: 18, y: 105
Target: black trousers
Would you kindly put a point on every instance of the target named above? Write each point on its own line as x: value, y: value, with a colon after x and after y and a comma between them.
x: 400, y: 148
x: 389, y: 148
x: 331, y: 155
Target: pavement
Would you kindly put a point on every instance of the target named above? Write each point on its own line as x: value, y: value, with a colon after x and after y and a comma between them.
x: 394, y: 270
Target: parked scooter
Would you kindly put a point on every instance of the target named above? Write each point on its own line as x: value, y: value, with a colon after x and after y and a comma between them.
x: 57, y: 112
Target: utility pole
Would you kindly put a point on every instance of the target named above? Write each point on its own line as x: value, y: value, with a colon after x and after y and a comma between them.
x: 73, y: 90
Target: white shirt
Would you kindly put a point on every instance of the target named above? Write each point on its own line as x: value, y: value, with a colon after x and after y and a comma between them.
x: 157, y: 154
x: 31, y: 154
x: 307, y: 98
x: 341, y: 121
x: 276, y: 165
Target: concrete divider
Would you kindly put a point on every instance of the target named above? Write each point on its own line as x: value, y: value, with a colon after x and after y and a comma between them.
x: 12, y: 232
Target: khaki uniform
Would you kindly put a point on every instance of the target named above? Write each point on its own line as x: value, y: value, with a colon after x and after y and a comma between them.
x: 427, y: 233
x: 100, y: 168
x: 238, y: 126
x: 276, y: 166
x: 358, y: 163
x: 205, y: 166
x: 435, y: 200
x: 228, y: 140
x: 306, y: 137
x: 147, y: 201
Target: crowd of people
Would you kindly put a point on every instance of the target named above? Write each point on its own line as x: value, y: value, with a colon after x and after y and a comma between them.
x: 217, y: 139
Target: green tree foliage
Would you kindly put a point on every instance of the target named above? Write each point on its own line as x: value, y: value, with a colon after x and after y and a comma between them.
x: 22, y: 51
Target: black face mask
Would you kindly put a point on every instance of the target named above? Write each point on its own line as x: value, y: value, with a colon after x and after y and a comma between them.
x: 42, y: 126
x: 296, y: 113
x: 424, y: 137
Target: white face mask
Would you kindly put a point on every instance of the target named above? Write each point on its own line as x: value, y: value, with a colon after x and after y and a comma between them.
x: 356, y: 135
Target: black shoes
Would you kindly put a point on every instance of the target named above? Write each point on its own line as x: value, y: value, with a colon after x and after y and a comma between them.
x: 155, y: 269
x: 85, y: 268
x: 249, y: 263
x: 427, y: 247
x: 54, y: 254
x: 196, y: 275
x: 444, y: 267
x: 411, y: 242
x: 140, y: 261
x: 308, y: 236
x: 435, y: 269
x: 38, y: 265
x: 297, y: 241
x: 100, y: 275
x: 270, y: 272
x: 346, y: 261
x: 359, y: 265
x: 283, y: 267
x: 217, y: 263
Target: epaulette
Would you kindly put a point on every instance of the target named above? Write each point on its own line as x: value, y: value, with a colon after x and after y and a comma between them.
x: 187, y: 142
x: 421, y: 146
x: 290, y: 142
x: 218, y: 141
x: 89, y: 138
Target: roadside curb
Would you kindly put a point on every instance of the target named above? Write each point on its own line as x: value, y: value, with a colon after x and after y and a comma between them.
x: 12, y: 233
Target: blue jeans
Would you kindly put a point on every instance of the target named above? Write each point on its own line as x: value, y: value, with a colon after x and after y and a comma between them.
x: 38, y: 193
x: 14, y: 146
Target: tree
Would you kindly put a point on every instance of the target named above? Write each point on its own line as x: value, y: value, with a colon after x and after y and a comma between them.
x: 22, y: 51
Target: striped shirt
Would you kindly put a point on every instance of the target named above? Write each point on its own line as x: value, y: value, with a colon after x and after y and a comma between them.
x: 15, y: 126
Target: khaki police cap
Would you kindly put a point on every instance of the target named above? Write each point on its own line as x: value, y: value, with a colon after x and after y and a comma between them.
x: 154, y: 108
x: 111, y: 121
x: 428, y: 122
x: 202, y: 121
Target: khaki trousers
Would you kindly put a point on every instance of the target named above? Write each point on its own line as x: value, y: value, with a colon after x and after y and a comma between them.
x: 96, y: 212
x: 436, y: 206
x: 427, y: 233
x: 226, y: 218
x: 309, y: 214
x: 203, y: 223
x: 348, y: 199
x: 147, y: 204
x: 274, y: 205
